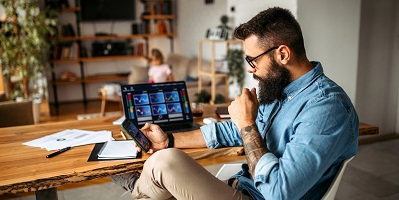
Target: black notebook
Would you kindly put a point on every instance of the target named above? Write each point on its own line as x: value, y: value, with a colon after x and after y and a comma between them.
x: 222, y: 112
x: 96, y: 150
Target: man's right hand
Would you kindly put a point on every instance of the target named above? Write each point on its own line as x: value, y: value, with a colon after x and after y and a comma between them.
x: 155, y: 134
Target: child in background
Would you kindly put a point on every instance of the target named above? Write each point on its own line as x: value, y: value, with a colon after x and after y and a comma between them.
x: 158, y: 71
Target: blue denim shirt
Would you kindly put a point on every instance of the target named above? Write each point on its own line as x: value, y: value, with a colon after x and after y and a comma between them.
x: 309, y: 132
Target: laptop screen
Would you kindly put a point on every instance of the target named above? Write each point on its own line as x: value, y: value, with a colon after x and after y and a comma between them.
x: 157, y: 103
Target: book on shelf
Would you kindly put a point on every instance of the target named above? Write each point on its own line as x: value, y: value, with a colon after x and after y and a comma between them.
x: 139, y: 49
x: 160, y: 8
x: 74, y: 51
x: 222, y: 112
x: 160, y: 26
x: 118, y: 149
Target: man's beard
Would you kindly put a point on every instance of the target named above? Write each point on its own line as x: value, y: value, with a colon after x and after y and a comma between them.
x: 271, y: 87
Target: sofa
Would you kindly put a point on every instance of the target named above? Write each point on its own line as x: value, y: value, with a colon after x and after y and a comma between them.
x: 183, y: 69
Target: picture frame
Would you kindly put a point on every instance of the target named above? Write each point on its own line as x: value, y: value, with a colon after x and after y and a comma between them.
x: 216, y: 34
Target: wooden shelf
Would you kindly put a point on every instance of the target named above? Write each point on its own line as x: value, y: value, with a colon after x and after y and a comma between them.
x: 163, y: 15
x: 212, y: 73
x: 215, y: 74
x: 70, y: 9
x: 111, y: 37
x: 105, y: 58
x: 100, y: 58
x: 222, y: 41
x: 104, y: 78
x: 65, y: 61
x: 92, y: 37
x: 158, y: 17
x: 91, y: 79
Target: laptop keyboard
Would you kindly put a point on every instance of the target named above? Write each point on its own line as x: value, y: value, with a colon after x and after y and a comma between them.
x: 175, y: 127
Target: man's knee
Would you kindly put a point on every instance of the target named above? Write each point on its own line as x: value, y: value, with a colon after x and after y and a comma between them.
x: 167, y: 158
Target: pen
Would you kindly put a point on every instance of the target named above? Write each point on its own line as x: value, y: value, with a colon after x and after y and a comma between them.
x: 58, y: 152
x: 123, y: 135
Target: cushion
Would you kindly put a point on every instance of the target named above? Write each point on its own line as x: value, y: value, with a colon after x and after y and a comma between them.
x: 138, y: 75
x: 179, y: 65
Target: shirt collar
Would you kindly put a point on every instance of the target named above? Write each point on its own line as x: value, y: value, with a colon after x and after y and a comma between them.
x: 297, y: 86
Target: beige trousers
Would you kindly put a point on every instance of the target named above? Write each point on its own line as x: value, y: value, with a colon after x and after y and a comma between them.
x: 172, y: 174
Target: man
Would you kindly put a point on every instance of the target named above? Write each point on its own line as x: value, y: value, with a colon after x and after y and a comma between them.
x: 296, y: 132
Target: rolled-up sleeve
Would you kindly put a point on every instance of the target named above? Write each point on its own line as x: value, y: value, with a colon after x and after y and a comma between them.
x: 221, y: 134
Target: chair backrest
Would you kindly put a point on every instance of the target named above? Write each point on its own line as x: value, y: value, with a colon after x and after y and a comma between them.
x: 332, y: 190
x: 228, y: 170
x: 16, y: 113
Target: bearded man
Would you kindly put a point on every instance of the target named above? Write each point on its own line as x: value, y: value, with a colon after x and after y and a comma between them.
x: 296, y: 130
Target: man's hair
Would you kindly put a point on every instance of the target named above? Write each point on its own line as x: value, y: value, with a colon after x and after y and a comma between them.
x: 274, y: 26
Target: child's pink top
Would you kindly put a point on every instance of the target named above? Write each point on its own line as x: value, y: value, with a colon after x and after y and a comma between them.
x: 159, y: 73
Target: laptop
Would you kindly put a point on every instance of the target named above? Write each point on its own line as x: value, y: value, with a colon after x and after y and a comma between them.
x: 165, y: 104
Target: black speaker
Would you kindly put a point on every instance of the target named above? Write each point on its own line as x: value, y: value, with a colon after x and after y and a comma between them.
x: 109, y: 48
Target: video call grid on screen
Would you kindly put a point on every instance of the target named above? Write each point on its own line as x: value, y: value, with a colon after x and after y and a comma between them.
x: 156, y: 103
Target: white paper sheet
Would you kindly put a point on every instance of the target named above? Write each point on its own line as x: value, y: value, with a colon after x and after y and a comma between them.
x: 70, y: 138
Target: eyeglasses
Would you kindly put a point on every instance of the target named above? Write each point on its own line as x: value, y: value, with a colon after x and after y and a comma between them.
x: 250, y: 60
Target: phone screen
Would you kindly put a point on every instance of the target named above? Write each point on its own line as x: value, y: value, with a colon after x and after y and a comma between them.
x: 139, y: 137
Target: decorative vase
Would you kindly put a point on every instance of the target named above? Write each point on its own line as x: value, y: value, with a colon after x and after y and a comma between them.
x: 234, y: 88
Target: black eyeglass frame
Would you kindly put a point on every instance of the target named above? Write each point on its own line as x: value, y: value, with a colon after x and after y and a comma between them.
x: 250, y: 60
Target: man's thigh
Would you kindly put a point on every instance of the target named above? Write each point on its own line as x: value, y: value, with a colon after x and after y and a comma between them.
x: 172, y: 173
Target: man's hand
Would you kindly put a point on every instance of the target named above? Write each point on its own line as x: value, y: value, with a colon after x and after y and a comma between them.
x: 155, y: 134
x: 244, y: 109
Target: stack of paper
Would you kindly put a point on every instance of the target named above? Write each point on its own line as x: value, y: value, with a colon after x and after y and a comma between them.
x: 70, y: 138
x: 118, y: 149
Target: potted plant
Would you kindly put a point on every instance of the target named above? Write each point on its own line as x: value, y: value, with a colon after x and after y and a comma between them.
x: 203, y: 97
x: 235, y: 62
x: 23, y: 45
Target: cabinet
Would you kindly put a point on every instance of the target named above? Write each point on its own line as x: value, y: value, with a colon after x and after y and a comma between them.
x: 157, y: 20
x: 212, y: 73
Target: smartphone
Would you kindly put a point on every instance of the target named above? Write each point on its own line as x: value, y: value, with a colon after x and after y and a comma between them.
x: 138, y: 136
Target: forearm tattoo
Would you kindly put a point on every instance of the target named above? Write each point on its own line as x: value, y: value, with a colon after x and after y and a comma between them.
x: 254, y: 146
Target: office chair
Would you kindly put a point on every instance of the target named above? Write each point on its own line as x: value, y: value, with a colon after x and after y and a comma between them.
x: 106, y: 98
x: 228, y: 170
x: 332, y: 190
x: 16, y: 113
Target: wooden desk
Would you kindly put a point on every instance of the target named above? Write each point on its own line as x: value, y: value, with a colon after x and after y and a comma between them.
x: 24, y: 168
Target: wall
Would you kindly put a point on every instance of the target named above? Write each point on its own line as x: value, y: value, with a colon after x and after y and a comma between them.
x: 395, y: 64
x: 331, y: 33
x: 245, y: 10
x: 377, y: 94
x: 337, y: 20
x: 193, y: 19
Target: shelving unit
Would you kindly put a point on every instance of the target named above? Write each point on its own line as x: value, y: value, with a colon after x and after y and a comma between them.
x: 212, y: 73
x: 149, y: 19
